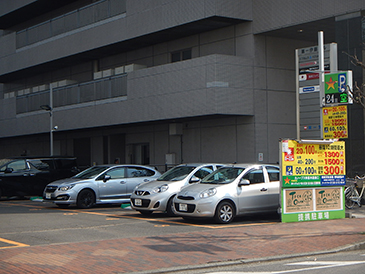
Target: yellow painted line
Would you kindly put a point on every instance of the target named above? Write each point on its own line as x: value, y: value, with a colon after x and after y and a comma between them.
x: 196, y: 225
x: 16, y: 244
x: 219, y: 226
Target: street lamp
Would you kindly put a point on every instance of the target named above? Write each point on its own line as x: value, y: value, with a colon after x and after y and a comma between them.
x: 49, y: 108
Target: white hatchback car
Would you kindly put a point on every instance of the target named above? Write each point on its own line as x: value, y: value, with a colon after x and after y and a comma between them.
x: 99, y: 185
x: 230, y: 191
x: 157, y: 195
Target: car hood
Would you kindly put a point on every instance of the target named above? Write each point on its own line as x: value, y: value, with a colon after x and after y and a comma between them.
x: 195, y: 189
x: 153, y: 184
x: 66, y: 181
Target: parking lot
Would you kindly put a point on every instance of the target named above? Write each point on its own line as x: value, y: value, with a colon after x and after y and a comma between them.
x: 42, y: 238
x: 33, y: 223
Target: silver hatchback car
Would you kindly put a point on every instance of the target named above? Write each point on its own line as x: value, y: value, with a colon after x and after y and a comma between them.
x: 230, y: 191
x: 157, y: 195
x: 99, y: 185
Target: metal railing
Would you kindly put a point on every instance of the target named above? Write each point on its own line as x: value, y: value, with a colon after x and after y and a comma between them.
x: 95, y: 90
x: 82, y: 17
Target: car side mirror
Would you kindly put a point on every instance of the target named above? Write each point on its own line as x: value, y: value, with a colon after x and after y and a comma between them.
x: 244, y: 182
x: 106, y: 178
x: 9, y: 170
x: 194, y: 180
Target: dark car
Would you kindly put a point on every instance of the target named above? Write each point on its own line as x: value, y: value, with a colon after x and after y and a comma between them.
x: 28, y: 176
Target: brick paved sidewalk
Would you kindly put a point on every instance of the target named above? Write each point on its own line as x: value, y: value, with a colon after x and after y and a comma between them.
x: 148, y: 254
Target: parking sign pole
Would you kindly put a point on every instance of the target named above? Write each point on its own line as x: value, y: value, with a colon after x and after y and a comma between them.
x: 321, y: 77
x: 51, y: 118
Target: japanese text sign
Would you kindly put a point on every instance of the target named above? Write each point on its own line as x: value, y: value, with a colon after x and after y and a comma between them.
x: 312, y: 179
x: 335, y: 122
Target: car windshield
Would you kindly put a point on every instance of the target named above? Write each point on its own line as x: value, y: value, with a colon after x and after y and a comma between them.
x: 224, y: 175
x: 91, y: 172
x: 176, y: 174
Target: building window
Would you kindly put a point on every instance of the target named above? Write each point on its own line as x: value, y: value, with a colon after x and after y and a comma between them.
x: 180, y: 55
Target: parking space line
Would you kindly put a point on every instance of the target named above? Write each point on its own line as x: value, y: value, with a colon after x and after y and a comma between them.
x: 15, y: 244
x: 189, y: 224
x: 155, y: 220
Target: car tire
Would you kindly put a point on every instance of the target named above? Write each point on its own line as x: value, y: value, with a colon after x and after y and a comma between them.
x: 224, y: 213
x: 85, y: 199
x: 145, y: 212
x: 62, y: 205
x: 169, y: 210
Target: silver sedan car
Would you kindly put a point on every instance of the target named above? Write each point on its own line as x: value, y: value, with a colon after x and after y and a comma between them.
x: 157, y: 195
x: 231, y: 191
x: 99, y: 185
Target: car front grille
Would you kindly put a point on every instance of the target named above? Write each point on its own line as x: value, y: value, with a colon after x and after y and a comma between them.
x: 141, y: 193
x: 50, y: 189
x: 145, y: 203
x: 191, y: 208
x: 186, y: 198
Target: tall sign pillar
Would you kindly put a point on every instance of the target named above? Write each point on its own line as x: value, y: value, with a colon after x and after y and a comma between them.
x: 308, y: 72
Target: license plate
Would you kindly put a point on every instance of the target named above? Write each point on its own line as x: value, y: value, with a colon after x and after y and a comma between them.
x: 183, y: 207
x: 48, y: 195
x: 138, y: 202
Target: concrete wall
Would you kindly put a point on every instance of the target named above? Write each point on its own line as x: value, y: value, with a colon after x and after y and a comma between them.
x: 270, y: 15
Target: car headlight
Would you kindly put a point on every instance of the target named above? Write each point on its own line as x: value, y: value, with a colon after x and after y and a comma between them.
x: 65, y: 188
x: 162, y: 188
x: 208, y: 193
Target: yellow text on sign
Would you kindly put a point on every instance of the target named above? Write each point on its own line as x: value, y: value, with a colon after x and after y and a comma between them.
x: 335, y: 122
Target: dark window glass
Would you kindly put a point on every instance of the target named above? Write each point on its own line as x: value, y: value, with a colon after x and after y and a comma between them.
x: 273, y: 173
x: 41, y: 164
x: 139, y: 172
x: 204, y: 171
x: 186, y: 54
x: 175, y: 57
x: 255, y: 176
x: 116, y: 173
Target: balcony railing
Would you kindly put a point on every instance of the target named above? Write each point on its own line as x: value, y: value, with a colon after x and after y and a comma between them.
x: 74, y: 94
x: 82, y: 17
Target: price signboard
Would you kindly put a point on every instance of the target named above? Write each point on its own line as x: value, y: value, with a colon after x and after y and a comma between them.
x: 312, y: 179
x: 335, y: 122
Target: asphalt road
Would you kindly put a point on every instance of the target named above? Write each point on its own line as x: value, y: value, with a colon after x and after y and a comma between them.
x: 338, y: 263
x: 32, y: 223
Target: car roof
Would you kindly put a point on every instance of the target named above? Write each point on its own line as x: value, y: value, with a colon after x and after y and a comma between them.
x: 39, y: 157
x: 124, y: 165
x: 246, y: 165
x: 199, y: 164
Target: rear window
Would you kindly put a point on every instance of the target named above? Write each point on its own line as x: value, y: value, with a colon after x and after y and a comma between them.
x: 139, y: 172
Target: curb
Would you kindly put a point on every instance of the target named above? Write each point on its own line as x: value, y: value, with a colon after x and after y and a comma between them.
x: 351, y: 247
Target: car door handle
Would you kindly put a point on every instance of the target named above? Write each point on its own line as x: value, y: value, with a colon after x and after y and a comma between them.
x: 146, y: 180
x: 122, y: 182
x: 263, y: 189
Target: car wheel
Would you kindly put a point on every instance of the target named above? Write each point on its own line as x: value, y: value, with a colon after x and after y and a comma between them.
x: 145, y: 212
x: 85, y: 199
x: 224, y: 213
x: 169, y: 210
x: 62, y: 205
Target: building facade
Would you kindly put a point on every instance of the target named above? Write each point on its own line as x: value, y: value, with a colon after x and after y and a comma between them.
x: 166, y: 81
